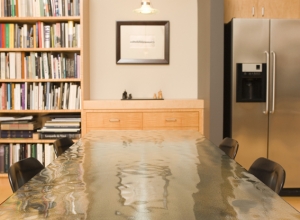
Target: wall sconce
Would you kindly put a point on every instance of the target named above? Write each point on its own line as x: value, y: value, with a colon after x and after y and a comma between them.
x: 146, y: 8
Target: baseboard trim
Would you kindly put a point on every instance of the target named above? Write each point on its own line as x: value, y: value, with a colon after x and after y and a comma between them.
x: 290, y: 192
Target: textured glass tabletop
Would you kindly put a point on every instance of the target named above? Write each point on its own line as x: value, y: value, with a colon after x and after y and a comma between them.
x: 147, y: 175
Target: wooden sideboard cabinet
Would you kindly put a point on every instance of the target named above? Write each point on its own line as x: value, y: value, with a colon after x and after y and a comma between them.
x: 143, y: 115
x: 261, y: 9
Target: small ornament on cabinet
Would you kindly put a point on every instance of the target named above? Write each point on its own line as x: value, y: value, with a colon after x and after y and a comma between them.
x: 159, y: 95
x: 154, y: 96
x: 124, y: 95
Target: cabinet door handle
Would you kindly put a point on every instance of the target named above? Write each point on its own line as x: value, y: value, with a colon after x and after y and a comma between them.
x: 171, y: 119
x: 253, y: 11
x: 263, y: 11
x: 114, y: 120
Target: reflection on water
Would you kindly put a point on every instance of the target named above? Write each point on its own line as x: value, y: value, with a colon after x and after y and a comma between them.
x: 144, y: 186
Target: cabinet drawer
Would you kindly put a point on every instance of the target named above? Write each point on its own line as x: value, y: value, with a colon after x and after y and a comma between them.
x: 99, y: 120
x: 171, y: 120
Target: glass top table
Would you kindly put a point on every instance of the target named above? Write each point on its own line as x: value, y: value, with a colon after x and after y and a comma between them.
x: 147, y: 175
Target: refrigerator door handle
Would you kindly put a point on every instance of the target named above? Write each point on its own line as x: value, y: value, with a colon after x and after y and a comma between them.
x: 273, y: 82
x: 267, y: 87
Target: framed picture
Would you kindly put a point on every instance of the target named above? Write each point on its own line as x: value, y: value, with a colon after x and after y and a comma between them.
x: 143, y: 42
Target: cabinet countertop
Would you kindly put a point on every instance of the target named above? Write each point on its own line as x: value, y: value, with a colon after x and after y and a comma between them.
x: 143, y: 104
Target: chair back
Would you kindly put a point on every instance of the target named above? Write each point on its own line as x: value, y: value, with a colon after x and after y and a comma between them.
x: 61, y: 145
x: 230, y: 147
x: 22, y: 171
x: 269, y: 172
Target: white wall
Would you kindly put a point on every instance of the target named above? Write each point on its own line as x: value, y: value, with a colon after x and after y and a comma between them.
x: 196, y: 56
x: 178, y: 80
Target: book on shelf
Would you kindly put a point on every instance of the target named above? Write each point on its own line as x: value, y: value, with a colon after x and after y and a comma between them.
x: 19, y: 125
x: 10, y: 118
x: 40, y: 35
x: 16, y: 133
x: 45, y: 65
x: 12, y: 153
x: 1, y: 158
x: 40, y: 96
x: 39, y: 152
x: 66, y: 119
x: 58, y: 130
x: 49, y: 154
x: 47, y: 36
x: 59, y: 135
x: 65, y: 124
x: 71, y: 116
x: 7, y: 156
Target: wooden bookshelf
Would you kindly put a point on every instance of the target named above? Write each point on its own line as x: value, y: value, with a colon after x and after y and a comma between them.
x: 82, y: 80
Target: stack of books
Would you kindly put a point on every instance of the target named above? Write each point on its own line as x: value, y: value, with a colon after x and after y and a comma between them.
x: 22, y: 127
x: 60, y: 126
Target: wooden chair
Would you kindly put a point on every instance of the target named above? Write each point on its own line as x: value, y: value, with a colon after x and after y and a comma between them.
x: 230, y: 147
x: 269, y: 172
x: 61, y: 145
x: 22, y: 171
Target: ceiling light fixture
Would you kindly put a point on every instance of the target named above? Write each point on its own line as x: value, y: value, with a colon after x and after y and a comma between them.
x: 146, y: 8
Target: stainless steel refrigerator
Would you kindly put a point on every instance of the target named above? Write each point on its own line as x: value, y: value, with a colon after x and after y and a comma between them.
x: 262, y: 92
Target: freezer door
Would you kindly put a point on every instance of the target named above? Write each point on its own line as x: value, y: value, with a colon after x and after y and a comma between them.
x: 250, y: 40
x: 284, y: 138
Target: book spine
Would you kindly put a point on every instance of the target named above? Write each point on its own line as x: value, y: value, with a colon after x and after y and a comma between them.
x: 17, y: 126
x: 3, y: 135
x: 6, y: 158
x: 47, y: 36
x: 11, y: 35
x: 33, y: 150
x: 16, y: 134
x: 9, y: 127
x: 1, y: 158
x: 1, y: 35
x: 59, y: 135
x: 50, y: 8
x: 23, y: 96
x: 60, y: 126
x: 8, y: 8
x: 70, y: 33
x: 37, y: 67
x: 6, y: 35
x: 8, y: 96
x: 40, y: 153
x: 1, y: 85
x: 4, y: 96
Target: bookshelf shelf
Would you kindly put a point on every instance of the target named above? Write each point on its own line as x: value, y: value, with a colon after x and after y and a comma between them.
x: 73, y: 46
x: 40, y: 111
x: 44, y: 19
x: 40, y: 80
x: 72, y: 49
x: 25, y: 140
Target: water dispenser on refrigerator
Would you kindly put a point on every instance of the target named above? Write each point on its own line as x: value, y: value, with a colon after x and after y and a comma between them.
x: 251, y: 82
